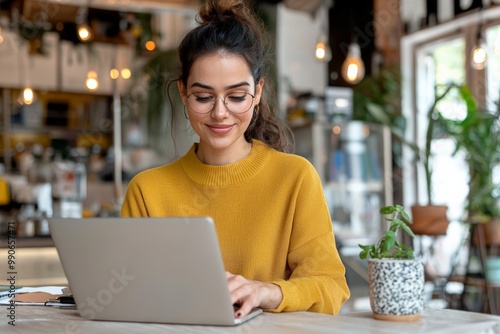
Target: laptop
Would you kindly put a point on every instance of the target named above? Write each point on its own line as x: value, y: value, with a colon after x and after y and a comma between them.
x: 160, y: 270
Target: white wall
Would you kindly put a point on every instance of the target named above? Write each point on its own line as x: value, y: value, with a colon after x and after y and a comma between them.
x: 297, y: 34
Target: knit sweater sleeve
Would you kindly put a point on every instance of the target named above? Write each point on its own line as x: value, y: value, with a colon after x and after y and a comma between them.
x: 317, y: 282
x: 133, y: 203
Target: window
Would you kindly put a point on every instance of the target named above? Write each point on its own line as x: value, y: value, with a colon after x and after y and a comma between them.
x: 439, y: 55
x: 434, y: 56
x: 444, y: 63
x: 493, y: 67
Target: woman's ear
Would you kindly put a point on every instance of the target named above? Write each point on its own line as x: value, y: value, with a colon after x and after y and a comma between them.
x: 182, y: 91
x: 258, y: 90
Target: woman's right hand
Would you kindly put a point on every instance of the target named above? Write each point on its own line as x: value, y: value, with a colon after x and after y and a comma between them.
x: 250, y: 294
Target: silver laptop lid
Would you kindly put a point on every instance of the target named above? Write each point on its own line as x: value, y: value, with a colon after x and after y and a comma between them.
x: 165, y: 270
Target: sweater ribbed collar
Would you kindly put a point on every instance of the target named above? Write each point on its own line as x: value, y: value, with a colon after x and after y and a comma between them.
x: 225, y: 175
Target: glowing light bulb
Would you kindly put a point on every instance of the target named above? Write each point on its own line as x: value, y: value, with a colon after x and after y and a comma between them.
x: 478, y: 56
x: 320, y: 50
x: 1, y: 37
x: 114, y: 73
x: 353, y: 68
x: 126, y: 74
x: 28, y: 96
x: 92, y: 83
x: 323, y: 52
x: 84, y: 33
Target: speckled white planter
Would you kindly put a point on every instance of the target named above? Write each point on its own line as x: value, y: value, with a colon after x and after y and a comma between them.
x: 396, y: 289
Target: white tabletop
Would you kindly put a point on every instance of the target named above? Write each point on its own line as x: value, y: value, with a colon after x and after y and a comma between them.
x: 41, y: 319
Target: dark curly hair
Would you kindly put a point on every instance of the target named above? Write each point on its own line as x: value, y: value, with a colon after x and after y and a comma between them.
x: 232, y: 27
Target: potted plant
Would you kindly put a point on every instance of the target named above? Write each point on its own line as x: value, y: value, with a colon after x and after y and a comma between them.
x: 395, y: 277
x: 430, y: 219
x: 478, y: 134
x: 377, y: 99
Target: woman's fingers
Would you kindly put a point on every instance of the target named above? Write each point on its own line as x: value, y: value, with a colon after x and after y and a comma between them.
x: 244, y: 293
x: 250, y: 294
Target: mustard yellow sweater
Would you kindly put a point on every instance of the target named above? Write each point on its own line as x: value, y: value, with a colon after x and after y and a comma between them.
x: 271, y: 218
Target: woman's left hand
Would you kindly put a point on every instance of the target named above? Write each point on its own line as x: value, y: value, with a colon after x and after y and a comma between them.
x: 250, y: 294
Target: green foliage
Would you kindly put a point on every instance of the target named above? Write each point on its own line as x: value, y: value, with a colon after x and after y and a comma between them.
x: 377, y: 99
x: 478, y: 134
x: 388, y: 246
x: 433, y: 127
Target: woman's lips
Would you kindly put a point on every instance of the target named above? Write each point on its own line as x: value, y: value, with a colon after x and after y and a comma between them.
x: 220, y: 129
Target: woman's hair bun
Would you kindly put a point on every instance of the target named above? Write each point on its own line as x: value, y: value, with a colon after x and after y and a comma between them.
x: 221, y: 10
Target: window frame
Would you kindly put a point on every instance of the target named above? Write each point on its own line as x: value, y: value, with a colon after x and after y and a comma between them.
x: 412, y: 46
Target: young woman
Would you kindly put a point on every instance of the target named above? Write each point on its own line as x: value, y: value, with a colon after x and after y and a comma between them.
x: 271, y: 217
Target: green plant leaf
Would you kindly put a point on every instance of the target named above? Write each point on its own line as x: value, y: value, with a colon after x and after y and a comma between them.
x: 406, y: 216
x: 389, y: 241
x: 364, y: 254
x: 378, y: 113
x: 387, y: 210
x: 388, y: 246
x: 408, y: 230
x: 398, y: 222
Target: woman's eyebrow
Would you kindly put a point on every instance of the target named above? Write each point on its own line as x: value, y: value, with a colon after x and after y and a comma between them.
x: 199, y: 84
x: 243, y: 83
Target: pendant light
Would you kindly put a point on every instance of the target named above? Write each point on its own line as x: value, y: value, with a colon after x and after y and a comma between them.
x: 28, y: 96
x: 478, y: 54
x: 84, y: 31
x: 323, y: 51
x: 92, y: 81
x: 353, y: 68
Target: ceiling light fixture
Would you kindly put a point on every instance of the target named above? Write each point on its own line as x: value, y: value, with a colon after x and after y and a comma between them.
x: 323, y: 50
x: 92, y: 81
x: 114, y: 73
x: 353, y: 68
x: 28, y: 96
x: 126, y: 73
x: 84, y: 31
x: 478, y: 54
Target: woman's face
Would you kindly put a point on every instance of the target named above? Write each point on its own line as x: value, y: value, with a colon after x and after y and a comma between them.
x: 212, y: 78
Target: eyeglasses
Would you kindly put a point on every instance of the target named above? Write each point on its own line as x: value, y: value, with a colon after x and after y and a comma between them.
x: 237, y: 102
